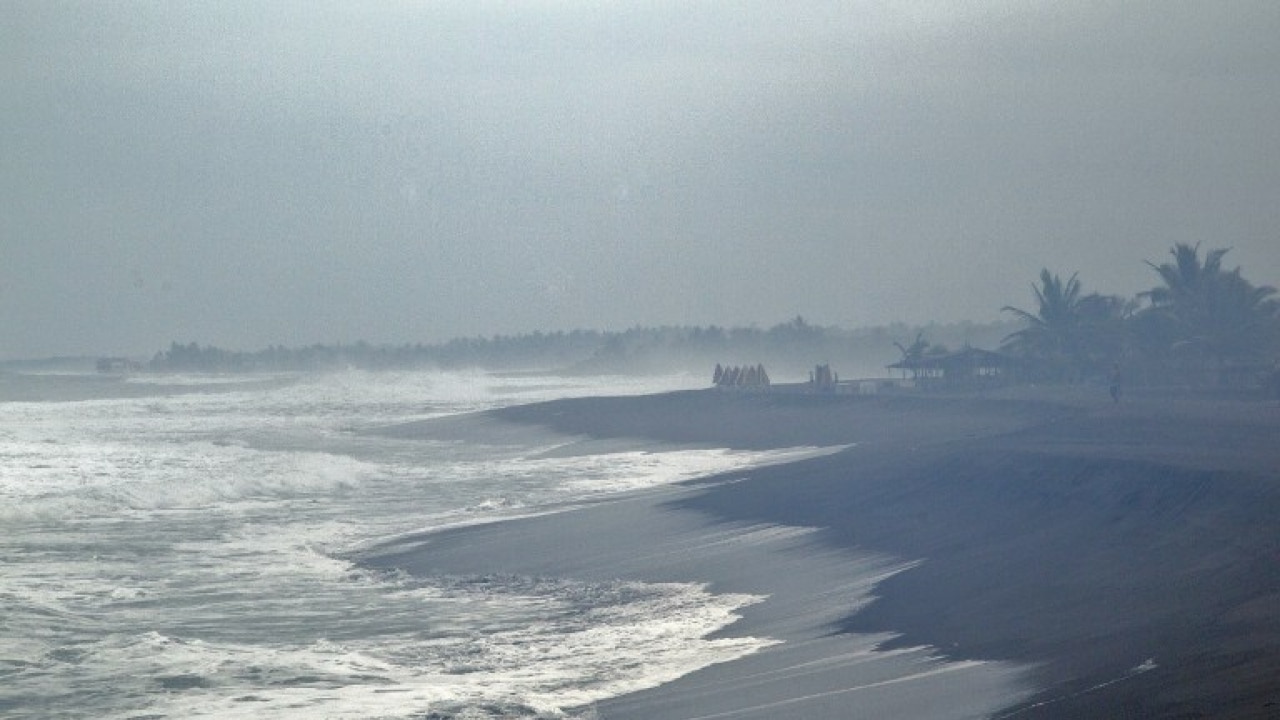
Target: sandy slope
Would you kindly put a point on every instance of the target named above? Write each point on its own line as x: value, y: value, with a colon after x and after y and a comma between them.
x: 1131, y: 552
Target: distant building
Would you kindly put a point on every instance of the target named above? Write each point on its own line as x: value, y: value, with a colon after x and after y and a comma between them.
x: 968, y: 367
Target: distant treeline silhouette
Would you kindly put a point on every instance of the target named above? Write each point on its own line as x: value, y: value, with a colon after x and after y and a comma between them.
x: 1201, y: 325
x: 793, y: 346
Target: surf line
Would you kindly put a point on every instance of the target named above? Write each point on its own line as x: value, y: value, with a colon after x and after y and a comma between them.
x: 948, y: 667
x: 1146, y: 666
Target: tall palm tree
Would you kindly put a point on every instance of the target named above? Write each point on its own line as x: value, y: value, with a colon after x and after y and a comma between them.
x: 1186, y: 279
x: 1069, y: 334
x: 1202, y: 312
x: 1048, y: 329
x: 1241, y: 318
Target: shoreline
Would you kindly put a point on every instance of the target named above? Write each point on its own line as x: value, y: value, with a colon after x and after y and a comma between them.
x: 803, y: 585
x: 1126, y: 553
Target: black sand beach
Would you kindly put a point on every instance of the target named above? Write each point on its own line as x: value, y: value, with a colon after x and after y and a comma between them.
x: 1127, y: 554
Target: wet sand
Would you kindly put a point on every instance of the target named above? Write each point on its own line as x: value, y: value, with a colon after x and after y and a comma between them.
x: 1110, y: 560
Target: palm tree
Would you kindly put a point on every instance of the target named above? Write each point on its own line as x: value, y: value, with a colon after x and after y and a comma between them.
x: 914, y: 355
x: 1186, y: 278
x: 1048, y: 335
x: 1070, y: 334
x: 914, y: 352
x: 1203, y: 315
x: 1241, y: 317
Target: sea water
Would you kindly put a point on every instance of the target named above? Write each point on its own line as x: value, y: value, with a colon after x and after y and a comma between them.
x: 180, y: 547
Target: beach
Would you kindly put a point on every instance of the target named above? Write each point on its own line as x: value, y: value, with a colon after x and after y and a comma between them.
x: 1048, y: 554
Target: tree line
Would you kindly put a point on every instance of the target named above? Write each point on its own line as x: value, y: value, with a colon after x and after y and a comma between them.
x: 791, y: 347
x: 1201, y: 324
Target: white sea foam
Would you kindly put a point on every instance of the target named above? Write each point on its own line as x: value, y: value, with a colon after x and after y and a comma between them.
x: 184, y: 555
x: 180, y: 555
x: 523, y: 645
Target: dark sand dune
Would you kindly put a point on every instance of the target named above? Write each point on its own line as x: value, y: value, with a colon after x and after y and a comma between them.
x: 1129, y: 553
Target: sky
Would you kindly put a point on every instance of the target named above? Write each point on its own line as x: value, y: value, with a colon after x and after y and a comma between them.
x: 245, y: 174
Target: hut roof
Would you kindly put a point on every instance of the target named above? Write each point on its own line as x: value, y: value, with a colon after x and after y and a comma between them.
x: 968, y: 357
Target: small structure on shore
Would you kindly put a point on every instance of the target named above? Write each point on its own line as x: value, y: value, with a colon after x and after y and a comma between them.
x: 740, y: 376
x: 969, y: 366
x: 822, y: 379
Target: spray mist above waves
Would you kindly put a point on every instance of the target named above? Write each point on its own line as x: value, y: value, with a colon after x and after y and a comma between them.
x: 183, y: 555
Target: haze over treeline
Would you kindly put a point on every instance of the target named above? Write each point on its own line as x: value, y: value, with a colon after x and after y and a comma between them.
x: 1201, y: 322
x: 789, y: 348
x: 250, y: 174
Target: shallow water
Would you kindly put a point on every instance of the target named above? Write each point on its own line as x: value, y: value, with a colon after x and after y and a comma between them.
x: 180, y: 548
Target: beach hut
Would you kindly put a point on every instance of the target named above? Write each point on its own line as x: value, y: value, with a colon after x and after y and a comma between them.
x: 969, y: 366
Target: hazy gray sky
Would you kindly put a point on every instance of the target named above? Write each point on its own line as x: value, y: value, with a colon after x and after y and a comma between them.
x: 252, y: 173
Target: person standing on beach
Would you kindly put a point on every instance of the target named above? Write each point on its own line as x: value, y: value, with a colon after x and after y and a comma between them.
x: 1115, y: 382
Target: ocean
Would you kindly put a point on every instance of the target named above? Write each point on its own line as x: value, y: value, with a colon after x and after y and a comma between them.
x: 185, y: 547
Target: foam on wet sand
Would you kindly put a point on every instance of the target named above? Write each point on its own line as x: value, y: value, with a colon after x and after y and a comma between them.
x: 1044, y: 556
